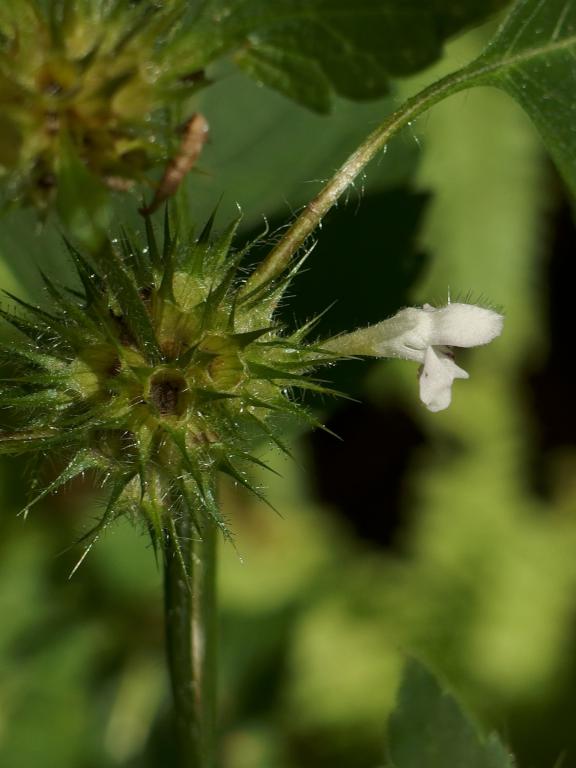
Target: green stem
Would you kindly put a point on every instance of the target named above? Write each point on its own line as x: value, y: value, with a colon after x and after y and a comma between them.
x: 191, y: 636
x: 310, y: 218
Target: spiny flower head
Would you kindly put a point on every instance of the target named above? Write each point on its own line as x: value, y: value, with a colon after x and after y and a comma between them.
x: 165, y: 369
x: 83, y: 82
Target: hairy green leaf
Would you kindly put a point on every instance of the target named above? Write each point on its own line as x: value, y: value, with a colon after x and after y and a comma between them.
x: 533, y: 58
x: 429, y: 728
x: 308, y: 49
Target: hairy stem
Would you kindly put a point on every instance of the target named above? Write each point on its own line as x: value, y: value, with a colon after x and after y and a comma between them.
x: 280, y: 256
x: 191, y: 624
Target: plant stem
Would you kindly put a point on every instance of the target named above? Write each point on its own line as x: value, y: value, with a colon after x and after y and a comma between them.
x: 191, y: 629
x: 280, y: 256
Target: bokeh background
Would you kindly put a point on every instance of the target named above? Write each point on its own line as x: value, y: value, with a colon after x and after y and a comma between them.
x: 450, y: 537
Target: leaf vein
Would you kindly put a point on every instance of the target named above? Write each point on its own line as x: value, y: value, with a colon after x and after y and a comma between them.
x: 561, y: 19
x: 526, y: 23
x: 564, y: 46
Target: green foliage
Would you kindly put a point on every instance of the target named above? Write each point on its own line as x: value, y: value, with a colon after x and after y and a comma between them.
x: 90, y: 86
x: 428, y: 728
x: 532, y: 58
x: 310, y: 49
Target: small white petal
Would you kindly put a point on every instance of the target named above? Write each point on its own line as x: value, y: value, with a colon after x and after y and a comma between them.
x: 464, y: 325
x: 436, y: 378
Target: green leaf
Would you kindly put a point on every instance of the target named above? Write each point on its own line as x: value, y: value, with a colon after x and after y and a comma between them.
x: 532, y: 58
x: 309, y: 49
x: 289, y: 73
x: 429, y: 729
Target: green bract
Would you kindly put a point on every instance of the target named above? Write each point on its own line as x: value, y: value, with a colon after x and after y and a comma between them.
x: 83, y: 81
x: 163, y: 371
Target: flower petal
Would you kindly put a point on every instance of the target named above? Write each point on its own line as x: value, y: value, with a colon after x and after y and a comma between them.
x: 463, y: 325
x: 436, y: 377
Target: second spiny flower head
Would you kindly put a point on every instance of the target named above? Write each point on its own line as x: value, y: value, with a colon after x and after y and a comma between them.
x: 84, y: 89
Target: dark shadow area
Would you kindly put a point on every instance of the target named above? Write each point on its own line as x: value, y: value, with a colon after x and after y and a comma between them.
x: 361, y: 476
x: 551, y: 384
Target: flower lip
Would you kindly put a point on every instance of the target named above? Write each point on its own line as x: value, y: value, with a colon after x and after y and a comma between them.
x: 463, y: 325
x: 436, y: 377
x: 455, y: 325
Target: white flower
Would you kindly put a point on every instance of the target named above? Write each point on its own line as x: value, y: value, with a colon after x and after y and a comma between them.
x: 427, y: 335
x: 431, y: 339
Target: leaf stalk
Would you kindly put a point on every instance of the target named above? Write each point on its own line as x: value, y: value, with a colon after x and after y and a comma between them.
x: 281, y: 255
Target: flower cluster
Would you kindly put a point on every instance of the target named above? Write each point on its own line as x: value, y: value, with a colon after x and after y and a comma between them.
x: 165, y: 370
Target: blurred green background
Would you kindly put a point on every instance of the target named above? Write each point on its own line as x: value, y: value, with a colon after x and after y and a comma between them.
x: 449, y: 536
